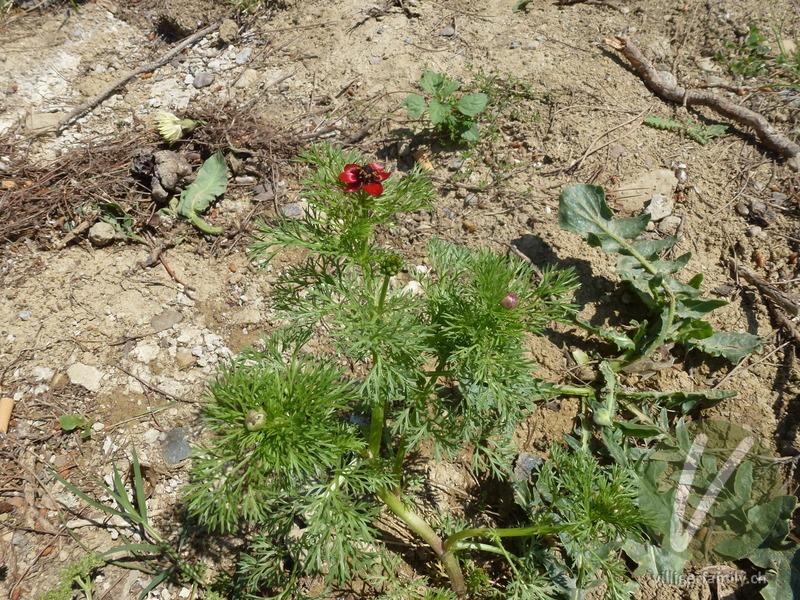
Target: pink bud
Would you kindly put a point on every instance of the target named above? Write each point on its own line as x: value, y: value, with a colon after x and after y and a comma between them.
x: 510, y: 301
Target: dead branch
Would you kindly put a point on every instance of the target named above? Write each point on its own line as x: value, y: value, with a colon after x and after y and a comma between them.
x: 771, y: 138
x: 104, y: 95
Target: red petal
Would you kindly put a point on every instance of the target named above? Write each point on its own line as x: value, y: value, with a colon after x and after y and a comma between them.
x: 382, y: 176
x: 348, y: 177
x: 353, y: 186
x: 375, y: 189
x: 376, y: 166
x: 352, y: 168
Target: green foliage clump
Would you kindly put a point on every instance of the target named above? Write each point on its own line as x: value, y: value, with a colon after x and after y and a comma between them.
x: 452, y: 116
x: 78, y: 573
x: 702, y: 134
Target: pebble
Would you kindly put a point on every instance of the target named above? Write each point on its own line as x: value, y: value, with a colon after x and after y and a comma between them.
x: 85, y: 376
x: 184, y: 358
x: 456, y: 163
x: 102, y: 234
x: 469, y: 226
x: 448, y: 31
x: 470, y: 200
x: 374, y: 60
x: 202, y: 79
x: 294, y: 210
x: 754, y: 231
x: 660, y: 206
x: 669, y: 225
x: 40, y: 123
x: 165, y: 320
x: 249, y: 78
x: 176, y: 447
x: 244, y: 56
x: 228, y: 31
x: 25, y: 315
x: 742, y: 209
x: 527, y: 464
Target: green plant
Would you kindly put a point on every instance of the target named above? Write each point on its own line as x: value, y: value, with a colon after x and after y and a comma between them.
x: 700, y: 133
x: 310, y: 452
x: 153, y: 551
x: 452, y: 116
x: 756, y: 58
x: 73, y: 422
x: 211, y: 182
x: 78, y: 573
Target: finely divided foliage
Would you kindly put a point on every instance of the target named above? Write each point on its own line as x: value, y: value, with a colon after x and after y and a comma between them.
x: 306, y: 455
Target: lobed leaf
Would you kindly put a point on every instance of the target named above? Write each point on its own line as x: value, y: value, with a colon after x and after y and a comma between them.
x: 732, y: 346
x: 212, y: 181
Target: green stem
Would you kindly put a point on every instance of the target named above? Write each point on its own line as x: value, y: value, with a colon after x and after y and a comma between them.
x: 452, y: 544
x: 384, y: 289
x: 419, y: 526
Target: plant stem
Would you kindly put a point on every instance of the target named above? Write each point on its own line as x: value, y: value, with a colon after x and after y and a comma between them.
x: 419, y: 526
x: 382, y: 299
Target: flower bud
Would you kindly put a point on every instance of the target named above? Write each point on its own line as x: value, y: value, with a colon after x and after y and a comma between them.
x: 255, y: 420
x: 602, y: 417
x: 510, y: 301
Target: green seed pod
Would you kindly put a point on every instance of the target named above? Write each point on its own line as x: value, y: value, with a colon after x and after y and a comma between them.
x: 602, y: 417
x: 255, y: 420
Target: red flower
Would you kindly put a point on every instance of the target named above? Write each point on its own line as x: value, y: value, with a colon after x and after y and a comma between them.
x: 368, y: 178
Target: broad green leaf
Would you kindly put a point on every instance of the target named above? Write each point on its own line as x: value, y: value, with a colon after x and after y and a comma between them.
x: 696, y: 308
x: 471, y: 133
x: 692, y: 329
x: 431, y: 81
x: 622, y: 341
x: 521, y: 5
x: 583, y: 210
x: 212, y: 181
x: 659, y: 562
x: 765, y: 522
x: 71, y: 422
x: 438, y: 112
x: 447, y: 88
x: 783, y: 577
x: 473, y: 104
x: 731, y: 346
x: 638, y: 430
x: 415, y: 105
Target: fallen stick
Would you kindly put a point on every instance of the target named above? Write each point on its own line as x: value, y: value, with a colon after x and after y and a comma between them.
x: 771, y: 138
x: 104, y: 95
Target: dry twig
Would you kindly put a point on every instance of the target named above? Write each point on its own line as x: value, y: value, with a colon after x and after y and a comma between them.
x: 771, y: 138
x: 102, y: 96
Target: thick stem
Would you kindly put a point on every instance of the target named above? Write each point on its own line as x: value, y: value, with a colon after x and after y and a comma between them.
x: 419, y: 526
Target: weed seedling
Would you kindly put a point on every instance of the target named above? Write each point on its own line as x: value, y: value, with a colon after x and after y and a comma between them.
x: 452, y: 116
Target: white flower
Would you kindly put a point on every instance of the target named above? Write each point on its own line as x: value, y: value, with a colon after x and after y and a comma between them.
x: 172, y: 128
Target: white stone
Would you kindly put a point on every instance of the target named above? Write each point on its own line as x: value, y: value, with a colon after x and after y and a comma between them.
x: 86, y: 376
x: 145, y: 353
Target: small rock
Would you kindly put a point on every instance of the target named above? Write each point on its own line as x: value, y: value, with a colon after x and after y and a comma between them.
x: 660, y: 207
x: 470, y: 200
x: 469, y: 226
x: 514, y: 45
x: 43, y: 374
x: 145, y: 353
x: 184, y: 358
x: 616, y: 151
x: 456, y: 163
x: 779, y: 198
x: 714, y: 80
x: 374, y: 60
x: 25, y: 315
x: 707, y: 64
x: 448, y: 31
x: 165, y: 320
x: 742, y: 209
x: 176, y: 447
x: 414, y: 288
x: 248, y: 78
x: 636, y: 193
x: 85, y: 376
x: 101, y: 234
x: 41, y: 123
x: 527, y: 464
x: 202, y: 79
x: 669, y: 225
x: 668, y: 78
x: 228, y: 31
x: 244, y: 56
x: 754, y: 231
x: 294, y: 210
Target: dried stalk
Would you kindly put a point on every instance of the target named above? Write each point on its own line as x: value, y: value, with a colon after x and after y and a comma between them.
x: 771, y: 138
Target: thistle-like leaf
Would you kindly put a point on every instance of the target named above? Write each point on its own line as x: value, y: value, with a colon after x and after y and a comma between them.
x: 212, y: 181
